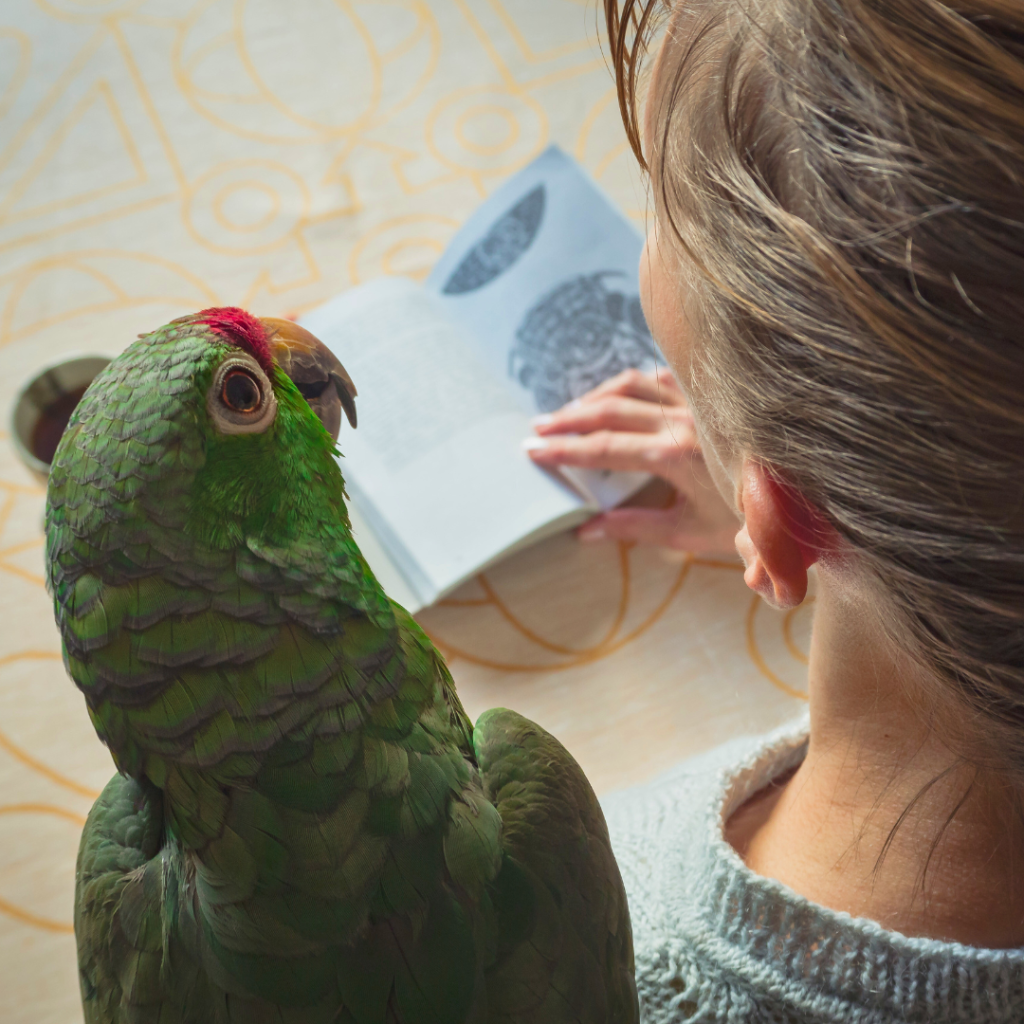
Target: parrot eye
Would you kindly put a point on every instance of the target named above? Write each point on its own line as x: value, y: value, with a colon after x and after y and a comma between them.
x: 241, y: 391
x: 241, y: 399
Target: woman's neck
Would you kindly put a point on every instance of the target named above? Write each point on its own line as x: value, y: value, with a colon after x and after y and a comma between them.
x: 882, y: 819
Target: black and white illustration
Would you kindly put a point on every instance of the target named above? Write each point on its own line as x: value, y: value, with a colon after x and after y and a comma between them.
x: 508, y: 238
x: 534, y: 302
x: 580, y: 333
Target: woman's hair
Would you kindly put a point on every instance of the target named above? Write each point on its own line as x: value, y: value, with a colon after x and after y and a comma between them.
x: 847, y: 179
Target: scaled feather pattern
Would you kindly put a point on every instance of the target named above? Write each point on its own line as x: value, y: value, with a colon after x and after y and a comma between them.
x: 305, y: 827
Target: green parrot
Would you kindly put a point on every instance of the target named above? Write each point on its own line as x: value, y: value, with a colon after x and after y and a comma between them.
x: 305, y: 827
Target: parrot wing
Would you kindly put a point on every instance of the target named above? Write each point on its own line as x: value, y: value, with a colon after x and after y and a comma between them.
x: 117, y: 907
x: 565, y: 948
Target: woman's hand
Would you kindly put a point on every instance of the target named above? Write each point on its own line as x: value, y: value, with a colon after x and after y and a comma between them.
x: 641, y: 422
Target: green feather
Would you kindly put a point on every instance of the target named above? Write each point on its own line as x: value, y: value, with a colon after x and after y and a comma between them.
x: 308, y: 828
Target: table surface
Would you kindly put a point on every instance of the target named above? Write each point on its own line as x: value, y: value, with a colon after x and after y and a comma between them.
x: 160, y: 156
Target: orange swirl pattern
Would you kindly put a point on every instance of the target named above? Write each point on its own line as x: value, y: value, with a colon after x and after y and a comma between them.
x: 160, y: 156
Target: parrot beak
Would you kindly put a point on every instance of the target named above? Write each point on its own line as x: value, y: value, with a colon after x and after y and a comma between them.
x: 315, y: 370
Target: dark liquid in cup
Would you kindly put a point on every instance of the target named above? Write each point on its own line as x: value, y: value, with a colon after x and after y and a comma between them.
x: 52, y: 423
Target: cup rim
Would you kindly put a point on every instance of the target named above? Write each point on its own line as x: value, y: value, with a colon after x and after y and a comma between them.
x: 32, y: 461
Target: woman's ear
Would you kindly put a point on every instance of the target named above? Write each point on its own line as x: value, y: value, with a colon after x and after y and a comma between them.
x: 781, y: 537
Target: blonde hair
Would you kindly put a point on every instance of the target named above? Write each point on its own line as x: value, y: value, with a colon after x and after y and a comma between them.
x: 847, y: 178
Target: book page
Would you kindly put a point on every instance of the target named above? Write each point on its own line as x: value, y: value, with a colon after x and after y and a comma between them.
x: 545, y: 277
x: 385, y: 567
x: 436, y: 465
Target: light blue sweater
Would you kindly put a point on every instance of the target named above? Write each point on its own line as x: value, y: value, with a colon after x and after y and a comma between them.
x: 716, y: 943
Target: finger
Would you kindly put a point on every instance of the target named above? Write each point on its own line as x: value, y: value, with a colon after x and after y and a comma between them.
x: 608, y: 413
x: 658, y: 386
x: 669, y: 528
x: 648, y: 383
x: 607, y: 449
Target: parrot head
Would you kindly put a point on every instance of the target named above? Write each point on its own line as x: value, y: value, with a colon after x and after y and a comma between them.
x: 312, y: 367
x: 194, y: 496
x: 257, y: 389
x: 225, y: 422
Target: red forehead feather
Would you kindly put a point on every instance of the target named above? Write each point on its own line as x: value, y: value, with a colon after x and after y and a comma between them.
x: 241, y: 329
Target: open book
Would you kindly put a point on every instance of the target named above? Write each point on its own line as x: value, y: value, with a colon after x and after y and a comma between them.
x: 533, y: 304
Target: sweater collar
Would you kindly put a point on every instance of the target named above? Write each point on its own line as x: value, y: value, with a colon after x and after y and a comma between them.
x: 822, y: 963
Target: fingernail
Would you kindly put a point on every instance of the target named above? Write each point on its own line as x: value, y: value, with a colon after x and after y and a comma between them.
x: 591, y: 533
x: 574, y: 403
x: 534, y: 444
x: 543, y: 420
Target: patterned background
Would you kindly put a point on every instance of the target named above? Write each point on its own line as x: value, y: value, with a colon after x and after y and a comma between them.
x: 159, y: 156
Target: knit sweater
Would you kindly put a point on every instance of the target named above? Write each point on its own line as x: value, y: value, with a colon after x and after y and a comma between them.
x: 717, y: 943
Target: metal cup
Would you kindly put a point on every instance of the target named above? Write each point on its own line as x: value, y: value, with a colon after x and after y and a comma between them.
x: 45, y: 404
